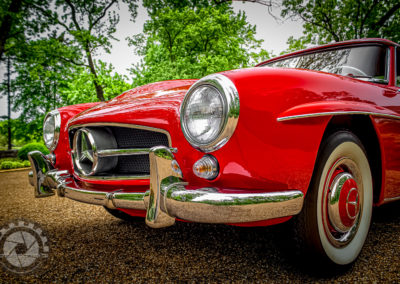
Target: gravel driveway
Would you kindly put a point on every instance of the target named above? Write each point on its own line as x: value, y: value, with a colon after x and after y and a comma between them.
x: 89, y: 245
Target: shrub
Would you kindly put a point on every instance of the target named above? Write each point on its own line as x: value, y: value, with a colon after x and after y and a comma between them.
x: 23, y: 152
x: 13, y: 163
x: 5, y: 165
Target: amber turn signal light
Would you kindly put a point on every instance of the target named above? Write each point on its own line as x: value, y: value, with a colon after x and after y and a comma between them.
x: 207, y: 167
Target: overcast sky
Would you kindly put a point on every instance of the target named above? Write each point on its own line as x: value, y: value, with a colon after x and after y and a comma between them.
x: 122, y: 56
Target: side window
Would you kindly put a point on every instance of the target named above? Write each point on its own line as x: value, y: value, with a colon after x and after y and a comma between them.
x: 397, y: 66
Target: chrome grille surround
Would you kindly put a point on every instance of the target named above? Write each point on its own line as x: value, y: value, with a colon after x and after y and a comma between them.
x: 122, y: 154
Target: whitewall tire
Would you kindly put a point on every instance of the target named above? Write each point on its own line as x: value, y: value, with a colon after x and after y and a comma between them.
x: 336, y: 216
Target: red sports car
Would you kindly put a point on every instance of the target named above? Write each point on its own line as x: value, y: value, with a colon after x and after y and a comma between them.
x: 312, y: 135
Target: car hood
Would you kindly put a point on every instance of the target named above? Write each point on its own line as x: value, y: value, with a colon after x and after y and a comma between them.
x: 155, y: 105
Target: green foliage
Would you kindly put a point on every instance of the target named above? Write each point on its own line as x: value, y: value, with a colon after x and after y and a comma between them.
x: 297, y: 44
x: 23, y: 152
x: 186, y: 43
x: 80, y: 88
x: 12, y: 163
x: 22, y: 132
x: 20, y: 22
x: 40, y: 72
x: 338, y: 20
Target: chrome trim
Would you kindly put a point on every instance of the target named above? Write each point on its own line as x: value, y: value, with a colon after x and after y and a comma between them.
x: 340, y: 237
x: 387, y: 67
x: 123, y: 125
x: 132, y: 177
x: 126, y: 152
x: 391, y: 199
x: 119, y: 152
x: 231, y: 107
x: 57, y: 129
x: 51, y: 158
x: 170, y: 198
x: 43, y: 176
x: 317, y: 114
x: 333, y: 205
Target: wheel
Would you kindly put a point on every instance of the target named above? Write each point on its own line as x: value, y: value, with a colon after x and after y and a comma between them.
x: 336, y: 215
x: 123, y: 216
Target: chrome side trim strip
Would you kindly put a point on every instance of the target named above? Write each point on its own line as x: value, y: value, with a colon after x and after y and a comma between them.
x: 124, y: 125
x: 293, y: 117
x: 387, y: 200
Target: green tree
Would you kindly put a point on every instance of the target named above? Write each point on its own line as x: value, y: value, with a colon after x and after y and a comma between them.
x: 79, y: 88
x: 40, y: 72
x: 23, y: 132
x: 338, y: 20
x: 88, y: 25
x: 190, y: 43
x: 19, y: 21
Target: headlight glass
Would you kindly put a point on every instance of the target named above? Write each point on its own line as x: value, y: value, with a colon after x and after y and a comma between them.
x: 210, y: 112
x: 51, y: 129
x: 204, y: 114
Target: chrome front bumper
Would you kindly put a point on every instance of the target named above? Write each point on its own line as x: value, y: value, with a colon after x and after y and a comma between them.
x: 169, y: 196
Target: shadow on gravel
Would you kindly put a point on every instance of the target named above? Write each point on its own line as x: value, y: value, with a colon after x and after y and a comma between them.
x: 88, y: 245
x: 123, y: 251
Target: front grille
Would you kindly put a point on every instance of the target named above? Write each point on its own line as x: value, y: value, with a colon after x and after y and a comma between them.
x: 138, y: 138
x: 110, y: 139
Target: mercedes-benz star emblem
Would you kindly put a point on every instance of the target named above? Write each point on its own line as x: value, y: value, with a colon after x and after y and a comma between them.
x: 84, y: 152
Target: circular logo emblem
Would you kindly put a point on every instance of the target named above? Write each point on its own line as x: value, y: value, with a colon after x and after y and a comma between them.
x: 352, y: 203
x: 22, y: 246
x: 85, y: 155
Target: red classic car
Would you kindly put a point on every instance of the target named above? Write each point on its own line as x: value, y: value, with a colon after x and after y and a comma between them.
x: 312, y: 135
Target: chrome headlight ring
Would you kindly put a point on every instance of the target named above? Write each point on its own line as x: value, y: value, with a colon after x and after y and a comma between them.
x: 230, y: 109
x: 51, y: 129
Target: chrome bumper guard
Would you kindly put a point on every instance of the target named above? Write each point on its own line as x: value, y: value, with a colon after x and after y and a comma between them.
x: 169, y: 196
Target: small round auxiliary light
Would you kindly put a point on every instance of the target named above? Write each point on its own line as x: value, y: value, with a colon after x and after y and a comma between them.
x: 207, y: 167
x: 175, y: 167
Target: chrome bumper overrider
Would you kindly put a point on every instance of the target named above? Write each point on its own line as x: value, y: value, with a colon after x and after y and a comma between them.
x: 169, y: 196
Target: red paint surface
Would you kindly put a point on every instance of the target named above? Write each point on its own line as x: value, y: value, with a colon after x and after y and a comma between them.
x: 263, y: 155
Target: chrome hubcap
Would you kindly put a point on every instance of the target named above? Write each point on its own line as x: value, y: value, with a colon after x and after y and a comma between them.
x: 342, y: 202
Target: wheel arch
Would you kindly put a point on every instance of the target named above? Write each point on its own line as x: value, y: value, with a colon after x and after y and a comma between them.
x: 362, y: 126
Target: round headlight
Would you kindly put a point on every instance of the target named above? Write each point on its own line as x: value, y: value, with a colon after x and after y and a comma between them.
x: 209, y: 112
x: 51, y: 129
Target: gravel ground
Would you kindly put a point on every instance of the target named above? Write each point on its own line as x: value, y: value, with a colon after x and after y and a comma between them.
x: 89, y: 245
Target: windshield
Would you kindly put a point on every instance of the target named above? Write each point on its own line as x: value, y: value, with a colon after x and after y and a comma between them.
x: 367, y: 62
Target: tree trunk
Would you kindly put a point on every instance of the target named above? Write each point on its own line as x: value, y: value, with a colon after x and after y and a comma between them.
x: 98, y: 87
x: 9, y: 147
x: 7, y: 22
